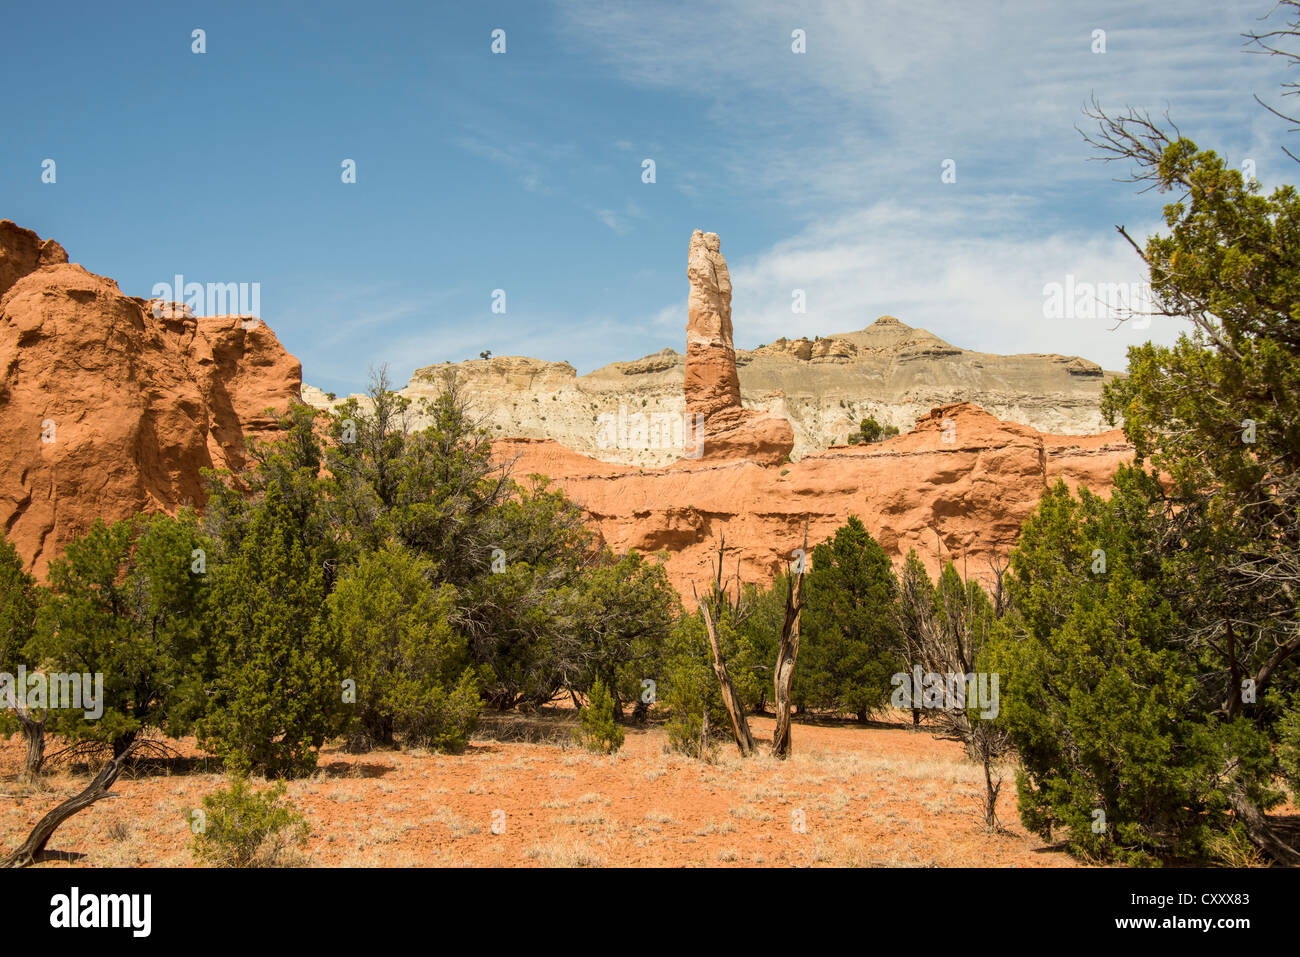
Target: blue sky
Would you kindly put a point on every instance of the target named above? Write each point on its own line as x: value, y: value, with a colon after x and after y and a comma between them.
x: 523, y: 171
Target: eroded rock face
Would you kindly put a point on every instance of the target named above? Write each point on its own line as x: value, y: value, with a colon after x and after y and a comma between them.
x: 109, y: 407
x: 823, y: 387
x: 22, y: 252
x: 712, y: 387
x: 962, y: 480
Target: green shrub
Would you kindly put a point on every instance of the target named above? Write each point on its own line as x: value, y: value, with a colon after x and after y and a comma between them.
x: 411, y: 667
x: 599, y: 731
x: 245, y: 828
x: 697, y: 720
x: 127, y: 601
x: 1107, y: 706
x: 1289, y: 746
x: 18, y: 600
x: 850, y: 641
x: 278, y: 694
x: 869, y: 431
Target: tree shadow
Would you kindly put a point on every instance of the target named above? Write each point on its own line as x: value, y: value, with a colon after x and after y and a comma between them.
x: 63, y: 857
x: 354, y: 769
x: 1287, y: 827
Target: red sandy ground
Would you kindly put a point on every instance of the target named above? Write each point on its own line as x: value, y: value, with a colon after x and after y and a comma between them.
x: 871, y: 796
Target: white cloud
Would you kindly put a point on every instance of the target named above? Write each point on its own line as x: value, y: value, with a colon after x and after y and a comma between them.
x: 850, y: 137
x: 983, y: 293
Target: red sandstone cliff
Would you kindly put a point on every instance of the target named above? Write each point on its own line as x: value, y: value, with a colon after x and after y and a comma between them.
x: 135, y: 405
x: 974, y: 491
x: 962, y: 480
x: 107, y: 410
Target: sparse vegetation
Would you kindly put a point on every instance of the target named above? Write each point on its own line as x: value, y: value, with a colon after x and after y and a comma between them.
x: 244, y: 827
x: 870, y: 431
x: 599, y: 731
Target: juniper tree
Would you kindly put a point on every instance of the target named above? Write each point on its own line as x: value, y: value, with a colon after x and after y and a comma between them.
x: 18, y: 601
x: 1106, y: 698
x: 1218, y: 412
x: 850, y: 638
x: 410, y: 666
x: 598, y: 729
x: 128, y: 602
x: 277, y: 695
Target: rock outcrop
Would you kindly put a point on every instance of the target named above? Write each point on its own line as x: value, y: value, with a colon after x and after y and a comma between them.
x: 720, y: 426
x: 109, y: 406
x: 962, y: 480
x: 112, y: 405
x: 959, y: 483
x: 823, y: 387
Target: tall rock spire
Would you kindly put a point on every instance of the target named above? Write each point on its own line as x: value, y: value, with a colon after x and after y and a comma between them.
x: 729, y: 431
x: 712, y: 384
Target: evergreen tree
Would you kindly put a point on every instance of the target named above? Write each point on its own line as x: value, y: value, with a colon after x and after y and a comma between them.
x: 1106, y: 704
x: 126, y: 603
x: 599, y: 731
x: 1219, y: 414
x: 278, y: 693
x: 850, y: 641
x: 753, y: 657
x: 623, y: 610
x: 411, y: 667
x: 18, y: 602
x: 915, y: 615
x: 17, y: 608
x: 697, y: 720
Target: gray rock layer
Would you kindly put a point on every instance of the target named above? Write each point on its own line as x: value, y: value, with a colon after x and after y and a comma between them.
x: 633, y: 412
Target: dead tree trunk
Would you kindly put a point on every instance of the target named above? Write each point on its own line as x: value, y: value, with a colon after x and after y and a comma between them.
x: 991, y: 790
x: 31, y: 849
x: 1260, y: 832
x: 34, y: 736
x: 786, y: 653
x: 730, y: 700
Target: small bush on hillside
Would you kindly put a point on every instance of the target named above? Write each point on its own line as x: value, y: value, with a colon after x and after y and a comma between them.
x: 869, y: 431
x: 245, y: 828
x: 599, y: 731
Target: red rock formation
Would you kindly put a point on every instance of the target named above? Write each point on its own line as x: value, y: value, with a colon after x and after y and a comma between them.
x: 961, y: 477
x: 961, y: 483
x: 136, y: 401
x: 729, y: 431
x: 106, y: 409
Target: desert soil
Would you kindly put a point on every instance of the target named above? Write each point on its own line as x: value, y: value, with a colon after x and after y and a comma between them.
x: 881, y: 795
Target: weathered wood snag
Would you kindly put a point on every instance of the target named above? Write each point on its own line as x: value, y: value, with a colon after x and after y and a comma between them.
x: 31, y: 849
x: 786, y: 653
x: 730, y: 700
x: 1260, y: 832
x: 34, y: 736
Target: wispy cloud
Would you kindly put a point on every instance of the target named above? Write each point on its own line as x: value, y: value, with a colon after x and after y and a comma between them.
x: 850, y: 137
x: 977, y: 292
